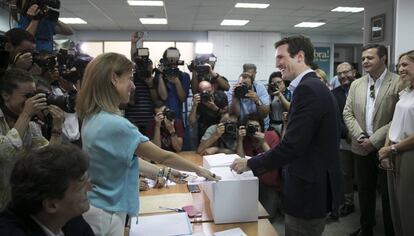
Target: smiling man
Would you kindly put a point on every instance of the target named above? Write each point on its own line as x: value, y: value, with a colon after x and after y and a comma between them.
x: 308, y: 152
x: 49, y: 189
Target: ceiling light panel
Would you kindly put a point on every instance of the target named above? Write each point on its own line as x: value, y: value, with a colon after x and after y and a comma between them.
x: 234, y: 22
x: 348, y: 9
x: 69, y: 20
x: 146, y: 3
x: 252, y: 5
x: 153, y: 21
x: 310, y: 24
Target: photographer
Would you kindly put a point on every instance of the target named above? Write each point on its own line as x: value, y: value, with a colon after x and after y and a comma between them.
x: 249, y: 96
x: 280, y: 100
x: 165, y: 130
x: 19, y: 103
x: 202, y: 69
x: 220, y: 138
x: 139, y: 109
x: 175, y: 82
x: 40, y: 18
x: 20, y: 44
x: 207, y: 107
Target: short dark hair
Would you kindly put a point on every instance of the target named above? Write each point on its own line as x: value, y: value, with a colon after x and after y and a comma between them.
x: 16, y: 36
x: 381, y: 50
x: 254, y: 117
x: 249, y: 66
x: 164, y: 55
x: 11, y: 77
x: 246, y: 75
x: 45, y: 174
x: 158, y: 104
x: 298, y: 43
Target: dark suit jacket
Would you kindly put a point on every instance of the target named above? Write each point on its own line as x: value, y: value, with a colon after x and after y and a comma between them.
x: 340, y: 96
x: 13, y: 224
x: 311, y: 177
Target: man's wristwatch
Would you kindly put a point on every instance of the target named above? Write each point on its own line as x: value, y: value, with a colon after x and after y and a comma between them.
x: 393, y: 150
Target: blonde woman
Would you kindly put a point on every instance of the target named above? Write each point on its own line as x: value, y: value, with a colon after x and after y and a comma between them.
x: 323, y: 77
x: 114, y: 144
x: 397, y: 155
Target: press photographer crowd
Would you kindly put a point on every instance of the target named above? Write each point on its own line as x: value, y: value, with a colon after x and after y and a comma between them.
x: 72, y: 124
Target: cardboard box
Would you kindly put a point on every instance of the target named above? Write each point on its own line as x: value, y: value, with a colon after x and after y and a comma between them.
x: 234, y: 198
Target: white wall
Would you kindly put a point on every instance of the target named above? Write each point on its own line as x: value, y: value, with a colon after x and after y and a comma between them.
x: 404, y: 18
x: 4, y: 20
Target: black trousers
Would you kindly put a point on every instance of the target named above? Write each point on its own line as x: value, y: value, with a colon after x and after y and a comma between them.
x: 368, y: 176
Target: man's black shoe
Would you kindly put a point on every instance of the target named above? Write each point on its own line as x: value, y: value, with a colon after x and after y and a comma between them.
x: 361, y: 232
x: 346, y: 209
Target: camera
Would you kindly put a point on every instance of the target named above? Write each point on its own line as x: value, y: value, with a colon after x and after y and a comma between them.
x: 142, y: 64
x: 48, y: 9
x: 271, y: 88
x: 169, y: 114
x: 230, y: 128
x: 199, y: 65
x: 205, y: 96
x: 72, y: 64
x: 44, y: 61
x: 169, y: 63
x: 4, y: 54
x: 251, y: 130
x: 241, y: 91
x: 64, y: 102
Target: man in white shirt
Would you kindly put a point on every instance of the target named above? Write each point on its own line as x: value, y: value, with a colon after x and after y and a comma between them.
x: 368, y: 111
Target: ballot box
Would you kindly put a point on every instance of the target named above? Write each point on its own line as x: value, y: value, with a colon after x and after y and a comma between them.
x: 218, y: 160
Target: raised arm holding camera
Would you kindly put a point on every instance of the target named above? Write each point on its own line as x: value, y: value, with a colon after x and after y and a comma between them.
x: 202, y: 68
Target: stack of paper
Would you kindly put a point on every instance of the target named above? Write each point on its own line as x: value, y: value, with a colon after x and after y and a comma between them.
x: 151, y: 204
x: 161, y: 225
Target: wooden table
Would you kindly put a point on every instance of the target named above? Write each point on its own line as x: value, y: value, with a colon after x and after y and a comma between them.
x: 205, y: 224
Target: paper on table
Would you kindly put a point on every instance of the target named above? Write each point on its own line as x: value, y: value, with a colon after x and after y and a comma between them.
x: 151, y: 204
x: 172, y: 224
x: 231, y: 232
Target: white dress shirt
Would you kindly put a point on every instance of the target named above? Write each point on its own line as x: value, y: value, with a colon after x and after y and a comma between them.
x: 370, y: 105
x: 402, y: 124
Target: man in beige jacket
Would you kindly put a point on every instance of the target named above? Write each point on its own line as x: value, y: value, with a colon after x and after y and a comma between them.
x: 367, y: 114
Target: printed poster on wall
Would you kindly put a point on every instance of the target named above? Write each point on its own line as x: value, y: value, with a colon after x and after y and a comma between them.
x: 322, y: 57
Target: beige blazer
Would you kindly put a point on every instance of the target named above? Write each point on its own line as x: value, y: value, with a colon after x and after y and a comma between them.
x: 354, y: 110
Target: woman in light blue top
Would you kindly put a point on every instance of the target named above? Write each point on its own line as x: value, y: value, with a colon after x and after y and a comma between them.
x: 114, y: 144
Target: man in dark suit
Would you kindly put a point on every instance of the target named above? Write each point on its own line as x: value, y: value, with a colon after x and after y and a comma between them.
x: 309, y: 150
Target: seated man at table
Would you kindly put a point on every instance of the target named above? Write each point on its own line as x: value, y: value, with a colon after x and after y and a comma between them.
x: 220, y: 138
x: 252, y: 141
x: 48, y: 189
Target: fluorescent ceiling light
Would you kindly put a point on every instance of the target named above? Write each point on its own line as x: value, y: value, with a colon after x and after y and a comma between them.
x: 146, y: 3
x: 310, y: 24
x: 203, y: 48
x: 252, y: 5
x: 348, y: 9
x: 68, y: 20
x: 153, y: 21
x: 234, y: 22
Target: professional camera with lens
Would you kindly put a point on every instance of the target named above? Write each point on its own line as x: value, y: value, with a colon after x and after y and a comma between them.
x: 271, y: 88
x: 169, y: 64
x: 230, y: 128
x: 169, y: 114
x: 251, y: 130
x: 199, y: 65
x: 205, y: 96
x: 72, y: 64
x: 44, y: 61
x: 142, y: 64
x: 64, y: 102
x: 48, y: 9
x: 4, y: 54
x: 241, y: 91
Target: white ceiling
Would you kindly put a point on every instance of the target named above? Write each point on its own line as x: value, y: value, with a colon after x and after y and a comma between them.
x: 204, y: 15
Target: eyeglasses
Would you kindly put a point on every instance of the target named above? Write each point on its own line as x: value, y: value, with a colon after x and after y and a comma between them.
x: 344, y: 72
x: 372, y: 91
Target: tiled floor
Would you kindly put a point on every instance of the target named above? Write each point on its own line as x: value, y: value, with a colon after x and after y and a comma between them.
x: 344, y: 226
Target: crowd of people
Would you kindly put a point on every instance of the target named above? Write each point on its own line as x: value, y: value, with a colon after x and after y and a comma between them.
x: 309, y: 143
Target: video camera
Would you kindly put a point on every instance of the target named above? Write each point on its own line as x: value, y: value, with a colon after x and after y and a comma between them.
x: 199, y: 65
x: 251, y: 130
x: 205, y: 96
x: 169, y: 114
x: 4, y: 54
x: 169, y: 63
x: 72, y: 64
x: 142, y: 64
x: 65, y: 102
x: 241, y: 91
x: 49, y: 9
